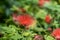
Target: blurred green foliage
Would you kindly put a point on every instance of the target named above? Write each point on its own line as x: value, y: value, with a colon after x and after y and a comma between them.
x: 11, y: 31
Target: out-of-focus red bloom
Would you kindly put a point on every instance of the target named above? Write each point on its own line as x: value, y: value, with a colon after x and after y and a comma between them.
x: 49, y: 29
x: 56, y: 33
x: 23, y: 19
x: 38, y: 37
x: 42, y: 2
x: 48, y: 19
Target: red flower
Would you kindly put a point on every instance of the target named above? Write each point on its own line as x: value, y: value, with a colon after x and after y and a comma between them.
x: 38, y: 37
x: 48, y: 19
x: 24, y: 19
x: 56, y: 33
x: 42, y: 2
x: 49, y: 29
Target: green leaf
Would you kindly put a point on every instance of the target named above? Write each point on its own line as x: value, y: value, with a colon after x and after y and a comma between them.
x: 16, y: 36
x: 49, y: 37
x: 41, y: 14
x: 26, y: 33
x: 26, y: 7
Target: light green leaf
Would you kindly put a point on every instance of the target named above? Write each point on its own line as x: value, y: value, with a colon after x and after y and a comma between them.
x: 49, y: 37
x: 41, y: 14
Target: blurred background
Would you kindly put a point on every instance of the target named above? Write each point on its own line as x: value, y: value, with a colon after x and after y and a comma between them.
x: 29, y: 19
